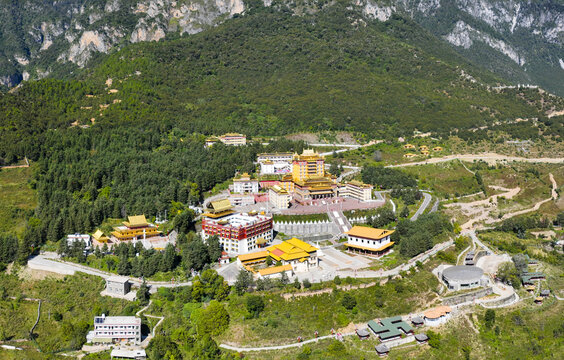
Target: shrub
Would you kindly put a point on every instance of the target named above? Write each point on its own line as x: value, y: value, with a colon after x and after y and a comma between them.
x: 348, y: 301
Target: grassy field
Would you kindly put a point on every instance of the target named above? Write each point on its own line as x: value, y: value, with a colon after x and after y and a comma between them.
x: 283, y: 321
x: 445, y: 179
x: 16, y: 198
x: 68, y: 309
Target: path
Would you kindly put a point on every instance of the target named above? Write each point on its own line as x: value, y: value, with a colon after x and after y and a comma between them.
x: 280, y: 347
x: 423, y: 207
x: 48, y: 262
x: 490, y: 158
x: 16, y: 166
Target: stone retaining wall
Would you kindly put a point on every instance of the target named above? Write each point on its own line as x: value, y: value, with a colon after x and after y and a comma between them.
x: 462, y: 298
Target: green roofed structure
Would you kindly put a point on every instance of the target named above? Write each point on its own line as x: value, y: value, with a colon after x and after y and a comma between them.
x: 390, y: 328
x: 527, y: 278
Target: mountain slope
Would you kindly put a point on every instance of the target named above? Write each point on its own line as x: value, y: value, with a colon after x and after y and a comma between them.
x: 272, y: 73
x: 521, y: 41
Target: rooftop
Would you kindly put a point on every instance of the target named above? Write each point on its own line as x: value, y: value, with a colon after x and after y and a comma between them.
x: 437, y: 312
x: 130, y: 354
x: 118, y: 279
x: 253, y: 256
x: 275, y: 270
x: 136, y: 221
x: 238, y: 220
x: 463, y: 273
x: 117, y: 320
x: 369, y: 233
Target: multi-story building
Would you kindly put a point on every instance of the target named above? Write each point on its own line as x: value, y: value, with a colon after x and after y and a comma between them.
x: 356, y: 190
x: 369, y: 241
x: 307, y: 165
x: 233, y: 139
x: 275, y: 163
x: 238, y: 233
x: 136, y: 228
x: 113, y: 329
x: 278, y: 197
x: 244, y: 184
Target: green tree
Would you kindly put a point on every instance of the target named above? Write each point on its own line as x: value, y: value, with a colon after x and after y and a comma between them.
x: 143, y: 294
x: 212, y: 320
x: 348, y: 301
x: 255, y: 305
x: 434, y: 339
x: 243, y: 282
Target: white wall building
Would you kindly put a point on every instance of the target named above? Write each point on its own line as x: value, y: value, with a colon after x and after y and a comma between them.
x: 112, y: 329
x: 245, y: 184
x: 85, y: 238
x: 278, y: 197
x: 275, y: 163
x: 368, y: 240
x: 356, y: 190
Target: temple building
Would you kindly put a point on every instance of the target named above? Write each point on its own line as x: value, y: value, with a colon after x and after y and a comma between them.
x: 307, y: 165
x: 136, y: 228
x: 296, y: 253
x: 369, y: 241
x: 275, y: 163
x: 238, y: 233
x: 233, y: 139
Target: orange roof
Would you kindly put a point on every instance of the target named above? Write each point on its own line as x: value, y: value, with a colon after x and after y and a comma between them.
x: 275, y: 270
x: 437, y: 312
x: 369, y: 233
x: 369, y: 248
x: 253, y: 256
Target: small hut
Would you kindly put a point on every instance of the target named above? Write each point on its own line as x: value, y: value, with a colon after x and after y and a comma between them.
x: 545, y: 293
x: 363, y: 334
x: 538, y: 300
x: 417, y: 321
x: 421, y: 338
x: 382, y: 350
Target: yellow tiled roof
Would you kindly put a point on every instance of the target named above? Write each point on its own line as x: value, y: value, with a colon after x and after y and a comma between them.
x: 253, y: 256
x: 369, y: 233
x: 98, y: 234
x: 302, y: 245
x: 137, y: 220
x: 275, y: 269
x: 221, y: 205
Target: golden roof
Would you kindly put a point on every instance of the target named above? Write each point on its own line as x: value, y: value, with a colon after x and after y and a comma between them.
x: 290, y: 250
x: 98, y: 235
x: 438, y: 148
x: 369, y: 233
x: 437, y: 312
x: 409, y: 146
x: 253, y: 256
x: 232, y: 134
x: 220, y: 205
x: 136, y: 221
x: 277, y: 189
x: 275, y: 269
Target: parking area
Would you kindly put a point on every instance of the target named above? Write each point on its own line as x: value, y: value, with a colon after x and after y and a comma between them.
x: 333, y: 260
x: 491, y: 263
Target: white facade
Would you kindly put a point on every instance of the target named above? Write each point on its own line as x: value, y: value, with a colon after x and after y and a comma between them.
x: 245, y: 185
x: 117, y: 329
x: 369, y: 243
x: 278, y: 197
x: 279, y: 167
x: 241, y: 199
x: 275, y: 157
x: 437, y: 321
x: 117, y: 285
x: 85, y: 238
x: 356, y: 190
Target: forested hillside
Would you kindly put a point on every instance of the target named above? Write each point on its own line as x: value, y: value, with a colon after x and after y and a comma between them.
x: 126, y: 135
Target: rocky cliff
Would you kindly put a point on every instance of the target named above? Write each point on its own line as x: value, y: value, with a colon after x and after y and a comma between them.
x: 522, y: 40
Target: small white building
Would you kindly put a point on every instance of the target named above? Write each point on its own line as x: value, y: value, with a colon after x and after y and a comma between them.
x: 85, y: 238
x: 115, y: 329
x: 437, y: 316
x: 137, y: 354
x: 118, y: 285
x: 275, y: 163
x: 241, y: 199
x: 278, y: 197
x: 245, y: 184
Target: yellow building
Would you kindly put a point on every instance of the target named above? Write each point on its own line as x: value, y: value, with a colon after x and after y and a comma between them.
x: 425, y: 152
x: 369, y: 241
x: 294, y: 252
x: 423, y: 148
x: 233, y: 139
x: 437, y: 148
x: 220, y: 208
x: 409, y: 155
x: 100, y: 237
x: 308, y: 164
x: 135, y: 228
x: 409, y: 146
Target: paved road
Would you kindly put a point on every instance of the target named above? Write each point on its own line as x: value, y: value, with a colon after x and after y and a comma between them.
x: 49, y: 262
x: 280, y: 347
x: 423, y: 207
